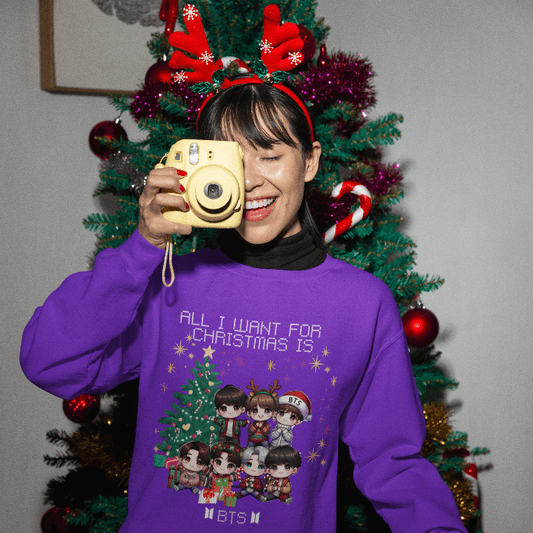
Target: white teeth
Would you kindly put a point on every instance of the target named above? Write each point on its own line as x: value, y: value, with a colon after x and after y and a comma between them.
x: 256, y: 204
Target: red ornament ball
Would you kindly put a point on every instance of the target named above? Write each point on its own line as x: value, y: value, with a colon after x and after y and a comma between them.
x: 54, y: 521
x: 83, y: 408
x: 421, y: 327
x: 309, y: 48
x: 107, y: 129
x: 159, y: 72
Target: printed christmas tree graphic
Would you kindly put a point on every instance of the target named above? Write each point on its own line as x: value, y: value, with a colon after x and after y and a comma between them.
x: 192, y: 418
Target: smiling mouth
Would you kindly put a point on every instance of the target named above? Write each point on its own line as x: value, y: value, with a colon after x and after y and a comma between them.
x: 259, y: 209
x: 258, y: 204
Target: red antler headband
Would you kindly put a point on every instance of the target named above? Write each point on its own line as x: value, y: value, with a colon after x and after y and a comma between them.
x: 280, y: 51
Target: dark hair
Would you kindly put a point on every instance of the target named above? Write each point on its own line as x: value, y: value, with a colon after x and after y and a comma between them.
x: 233, y: 456
x: 260, y: 113
x: 200, y: 447
x: 284, y: 455
x: 230, y: 395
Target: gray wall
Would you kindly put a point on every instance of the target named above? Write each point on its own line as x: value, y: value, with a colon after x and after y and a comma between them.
x: 459, y: 72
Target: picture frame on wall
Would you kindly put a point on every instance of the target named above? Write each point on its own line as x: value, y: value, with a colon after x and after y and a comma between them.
x: 84, y: 50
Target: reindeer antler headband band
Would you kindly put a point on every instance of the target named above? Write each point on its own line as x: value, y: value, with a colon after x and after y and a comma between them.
x: 280, y: 52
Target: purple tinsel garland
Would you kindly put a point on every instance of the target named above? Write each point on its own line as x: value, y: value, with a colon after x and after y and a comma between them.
x: 342, y: 78
x: 145, y: 103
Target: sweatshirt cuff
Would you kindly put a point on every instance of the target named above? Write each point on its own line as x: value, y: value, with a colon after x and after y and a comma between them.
x: 141, y: 257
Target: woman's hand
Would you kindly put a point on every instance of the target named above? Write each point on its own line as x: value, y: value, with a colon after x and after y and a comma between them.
x: 152, y: 226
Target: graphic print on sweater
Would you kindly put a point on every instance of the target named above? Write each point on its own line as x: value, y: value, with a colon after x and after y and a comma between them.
x: 224, y: 443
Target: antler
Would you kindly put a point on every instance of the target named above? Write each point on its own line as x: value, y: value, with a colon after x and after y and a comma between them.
x: 196, y: 44
x: 254, y: 388
x: 281, y: 44
x: 274, y: 388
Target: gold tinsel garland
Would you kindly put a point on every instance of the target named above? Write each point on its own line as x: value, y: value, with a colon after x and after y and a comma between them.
x: 438, y: 431
x: 96, y: 448
x: 438, y: 427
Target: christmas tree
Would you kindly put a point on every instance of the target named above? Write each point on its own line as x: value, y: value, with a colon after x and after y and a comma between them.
x: 338, y: 91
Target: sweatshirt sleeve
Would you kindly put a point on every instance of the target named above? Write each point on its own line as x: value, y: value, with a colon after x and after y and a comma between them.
x: 85, y: 337
x: 384, y: 428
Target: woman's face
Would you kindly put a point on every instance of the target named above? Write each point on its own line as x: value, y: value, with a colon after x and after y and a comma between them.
x: 274, y: 180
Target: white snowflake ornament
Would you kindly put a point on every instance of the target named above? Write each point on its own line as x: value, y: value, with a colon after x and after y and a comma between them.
x: 180, y: 77
x: 266, y: 46
x: 190, y: 12
x: 296, y: 57
x: 207, y: 57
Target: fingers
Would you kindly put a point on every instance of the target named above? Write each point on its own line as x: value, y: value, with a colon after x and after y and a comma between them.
x: 162, y: 189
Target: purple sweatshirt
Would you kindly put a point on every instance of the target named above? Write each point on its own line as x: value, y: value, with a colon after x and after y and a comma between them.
x: 325, y: 344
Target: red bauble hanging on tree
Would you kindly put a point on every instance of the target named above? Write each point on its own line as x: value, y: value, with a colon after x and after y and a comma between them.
x: 309, y: 47
x: 83, y: 408
x: 54, y: 521
x: 107, y: 129
x: 421, y: 327
x: 159, y: 72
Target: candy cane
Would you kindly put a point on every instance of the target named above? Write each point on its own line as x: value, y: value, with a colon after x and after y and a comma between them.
x: 198, y: 408
x: 365, y: 203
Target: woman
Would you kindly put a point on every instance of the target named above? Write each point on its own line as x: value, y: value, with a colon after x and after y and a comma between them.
x: 269, y: 304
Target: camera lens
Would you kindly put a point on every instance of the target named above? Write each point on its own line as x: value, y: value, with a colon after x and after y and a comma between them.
x: 213, y: 191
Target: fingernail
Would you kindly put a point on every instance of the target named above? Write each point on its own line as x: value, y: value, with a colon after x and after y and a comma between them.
x: 182, y: 188
x: 187, y: 207
x: 181, y: 172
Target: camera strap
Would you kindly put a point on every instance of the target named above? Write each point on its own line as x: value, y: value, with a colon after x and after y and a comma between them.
x: 168, y: 262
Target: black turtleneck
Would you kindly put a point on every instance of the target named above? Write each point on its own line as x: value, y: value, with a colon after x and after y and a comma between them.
x: 297, y: 252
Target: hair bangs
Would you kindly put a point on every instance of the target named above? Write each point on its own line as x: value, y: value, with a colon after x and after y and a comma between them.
x: 256, y: 121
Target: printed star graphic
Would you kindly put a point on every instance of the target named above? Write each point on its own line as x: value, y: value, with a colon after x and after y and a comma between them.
x: 322, y: 444
x: 171, y: 368
x: 313, y: 456
x: 323, y: 462
x: 287, y: 379
x: 316, y: 364
x: 271, y: 365
x: 334, y: 381
x: 208, y: 352
x: 191, y: 356
x: 188, y: 338
x: 327, y: 370
x: 164, y: 387
x: 325, y: 352
x: 180, y: 349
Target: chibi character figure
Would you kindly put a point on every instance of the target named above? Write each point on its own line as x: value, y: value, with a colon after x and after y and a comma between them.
x: 229, y: 404
x: 225, y: 463
x: 192, y: 465
x: 294, y: 408
x: 260, y: 407
x: 253, y: 465
x: 281, y: 463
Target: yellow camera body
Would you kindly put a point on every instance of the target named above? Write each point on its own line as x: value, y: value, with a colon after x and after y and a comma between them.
x: 214, y: 185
